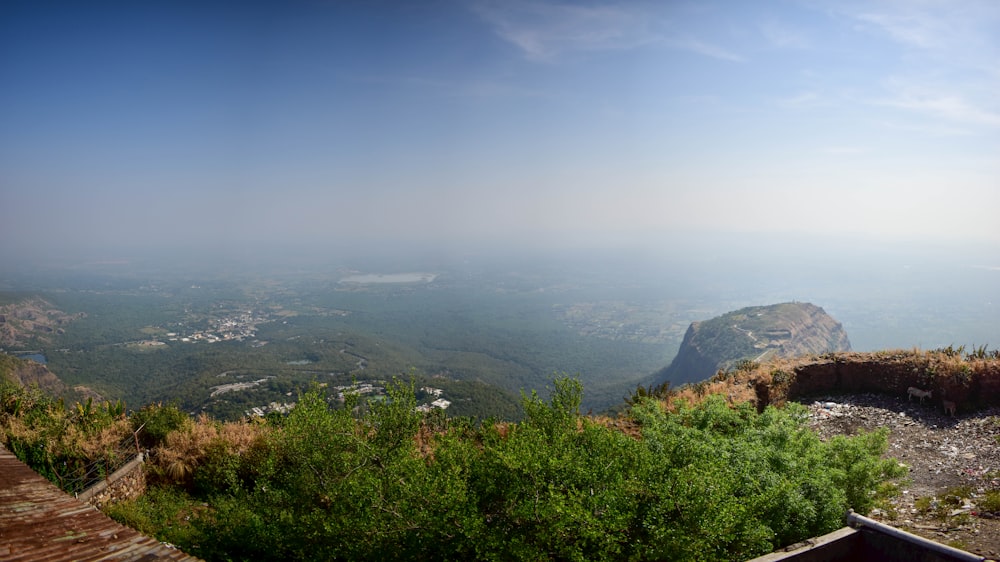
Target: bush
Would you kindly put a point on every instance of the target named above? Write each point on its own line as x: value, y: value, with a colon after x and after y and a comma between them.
x: 733, y: 483
x: 990, y: 503
x: 164, y: 512
x: 71, y: 447
x: 155, y: 421
x: 708, y: 481
x: 556, y: 486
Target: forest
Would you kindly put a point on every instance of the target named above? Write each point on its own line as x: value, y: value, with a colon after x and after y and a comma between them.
x: 482, y: 341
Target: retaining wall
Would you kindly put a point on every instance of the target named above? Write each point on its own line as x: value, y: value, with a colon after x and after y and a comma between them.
x: 128, y: 482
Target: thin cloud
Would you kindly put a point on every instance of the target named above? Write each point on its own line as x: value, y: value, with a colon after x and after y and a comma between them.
x: 707, y: 49
x: 947, y: 52
x: 916, y: 29
x: 781, y: 36
x: 962, y: 32
x: 939, y: 102
x: 802, y: 99
x: 947, y: 106
x: 935, y: 130
x: 543, y: 31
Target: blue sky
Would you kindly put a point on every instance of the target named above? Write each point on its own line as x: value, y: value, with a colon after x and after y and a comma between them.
x: 186, y: 123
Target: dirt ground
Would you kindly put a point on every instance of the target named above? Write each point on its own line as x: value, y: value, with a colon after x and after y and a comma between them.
x: 953, y: 462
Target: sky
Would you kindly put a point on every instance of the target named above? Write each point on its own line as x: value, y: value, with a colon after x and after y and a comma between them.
x: 212, y: 124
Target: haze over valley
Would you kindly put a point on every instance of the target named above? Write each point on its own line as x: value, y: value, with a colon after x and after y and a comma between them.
x: 244, y: 334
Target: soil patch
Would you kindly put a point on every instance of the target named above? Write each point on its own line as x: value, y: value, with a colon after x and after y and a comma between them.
x: 953, y: 463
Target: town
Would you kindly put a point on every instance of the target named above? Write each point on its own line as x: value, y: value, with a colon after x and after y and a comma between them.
x: 370, y: 389
x: 233, y: 327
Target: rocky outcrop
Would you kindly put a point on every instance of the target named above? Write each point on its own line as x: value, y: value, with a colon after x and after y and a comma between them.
x: 31, y: 322
x: 28, y: 373
x: 755, y: 333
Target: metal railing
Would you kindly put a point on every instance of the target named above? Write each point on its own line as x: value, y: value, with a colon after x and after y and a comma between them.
x: 76, y: 476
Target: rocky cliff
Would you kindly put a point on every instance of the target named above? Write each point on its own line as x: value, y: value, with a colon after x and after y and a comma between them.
x: 31, y: 322
x: 28, y: 373
x: 756, y: 333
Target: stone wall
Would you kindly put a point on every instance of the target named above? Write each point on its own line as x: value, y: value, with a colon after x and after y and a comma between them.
x: 128, y: 482
x: 970, y: 383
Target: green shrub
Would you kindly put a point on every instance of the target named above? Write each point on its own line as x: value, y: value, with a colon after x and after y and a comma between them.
x: 163, y: 512
x: 706, y: 482
x: 990, y: 502
x: 155, y: 421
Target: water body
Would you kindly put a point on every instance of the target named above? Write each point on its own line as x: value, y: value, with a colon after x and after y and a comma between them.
x: 366, y: 278
x: 36, y: 357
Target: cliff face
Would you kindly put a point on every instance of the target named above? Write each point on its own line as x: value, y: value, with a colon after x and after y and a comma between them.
x: 28, y: 373
x: 756, y: 333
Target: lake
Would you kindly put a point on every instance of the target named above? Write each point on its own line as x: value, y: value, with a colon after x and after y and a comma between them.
x: 366, y: 278
x: 36, y: 357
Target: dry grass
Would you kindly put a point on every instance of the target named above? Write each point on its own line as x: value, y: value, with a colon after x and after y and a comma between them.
x: 113, y: 439
x: 425, y: 440
x: 950, y: 374
x: 16, y: 428
x: 186, y: 448
x: 623, y: 423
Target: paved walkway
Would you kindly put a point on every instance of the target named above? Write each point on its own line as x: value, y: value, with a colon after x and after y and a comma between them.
x: 41, y: 523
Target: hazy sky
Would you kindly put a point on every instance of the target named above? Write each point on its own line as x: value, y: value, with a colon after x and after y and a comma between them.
x: 523, y: 121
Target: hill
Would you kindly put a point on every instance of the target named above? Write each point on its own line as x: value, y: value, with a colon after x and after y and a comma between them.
x: 754, y: 333
x: 32, y: 321
x: 27, y: 373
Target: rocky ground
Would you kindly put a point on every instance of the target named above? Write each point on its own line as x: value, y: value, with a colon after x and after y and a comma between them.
x: 953, y: 462
x: 31, y: 322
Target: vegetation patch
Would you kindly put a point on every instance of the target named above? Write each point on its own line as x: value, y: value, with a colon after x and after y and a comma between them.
x: 705, y: 480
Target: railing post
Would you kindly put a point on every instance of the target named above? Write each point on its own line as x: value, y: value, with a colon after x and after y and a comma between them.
x: 135, y: 434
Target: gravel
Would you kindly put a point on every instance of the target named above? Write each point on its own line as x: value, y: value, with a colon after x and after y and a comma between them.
x: 952, y: 461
